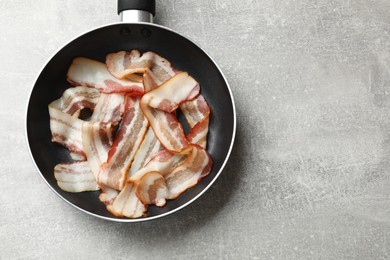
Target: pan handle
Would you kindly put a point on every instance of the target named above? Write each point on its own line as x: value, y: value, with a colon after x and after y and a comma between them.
x: 133, y: 11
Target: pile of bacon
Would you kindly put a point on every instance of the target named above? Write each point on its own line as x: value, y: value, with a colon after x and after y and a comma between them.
x: 132, y: 147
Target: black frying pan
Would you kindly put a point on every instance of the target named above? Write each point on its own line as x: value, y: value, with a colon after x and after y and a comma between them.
x: 144, y: 36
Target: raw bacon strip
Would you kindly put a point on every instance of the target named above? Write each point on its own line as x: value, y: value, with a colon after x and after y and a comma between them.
x: 152, y: 189
x: 75, y: 177
x: 149, y: 80
x: 113, y: 173
x: 158, y: 104
x: 134, y: 208
x: 168, y: 96
x: 121, y: 64
x: 66, y: 130
x: 197, y: 113
x: 195, y: 110
x: 169, y: 131
x: 92, y: 73
x: 149, y: 146
x: 163, y: 162
x: 125, y: 64
x: 127, y: 204
x: 64, y: 125
x: 97, y: 140
x: 109, y: 108
x: 97, y: 134
x: 73, y: 100
x: 108, y: 195
x: 196, y: 166
x: 198, y: 134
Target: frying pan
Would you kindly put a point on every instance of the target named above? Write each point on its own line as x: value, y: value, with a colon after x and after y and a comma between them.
x: 136, y: 31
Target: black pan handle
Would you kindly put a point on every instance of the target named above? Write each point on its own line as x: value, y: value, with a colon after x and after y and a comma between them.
x: 141, y: 5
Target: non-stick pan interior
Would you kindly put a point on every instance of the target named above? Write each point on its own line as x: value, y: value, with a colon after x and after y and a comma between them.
x: 182, y: 53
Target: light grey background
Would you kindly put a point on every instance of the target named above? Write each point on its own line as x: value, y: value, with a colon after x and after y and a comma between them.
x: 309, y: 175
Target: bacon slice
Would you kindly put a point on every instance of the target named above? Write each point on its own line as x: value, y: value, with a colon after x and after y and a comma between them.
x: 64, y: 123
x: 97, y: 137
x: 97, y: 140
x: 149, y: 146
x: 149, y: 80
x: 195, y: 110
x: 125, y: 64
x: 127, y: 204
x: 152, y: 189
x: 163, y: 162
x: 66, y: 130
x: 75, y: 177
x: 197, y: 113
x: 167, y: 97
x: 73, y: 100
x: 196, y: 166
x: 113, y: 173
x: 198, y: 134
x: 108, y: 195
x: 92, y: 73
x: 97, y: 134
x: 109, y: 108
x: 158, y: 105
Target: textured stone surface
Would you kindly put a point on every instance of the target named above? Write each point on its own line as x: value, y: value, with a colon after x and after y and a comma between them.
x: 309, y: 176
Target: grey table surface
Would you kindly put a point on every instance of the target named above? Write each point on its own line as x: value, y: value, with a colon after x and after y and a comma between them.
x: 309, y: 175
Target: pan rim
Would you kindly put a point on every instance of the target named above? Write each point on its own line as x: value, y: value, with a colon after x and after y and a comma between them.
x: 129, y: 220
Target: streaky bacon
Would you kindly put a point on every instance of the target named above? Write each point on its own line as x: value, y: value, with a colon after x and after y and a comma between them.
x: 197, y: 113
x: 75, y: 177
x: 64, y: 123
x: 152, y: 189
x: 66, y: 130
x: 108, y: 195
x: 73, y: 100
x: 97, y: 134
x: 196, y: 166
x: 127, y: 204
x: 158, y: 105
x: 97, y: 140
x: 149, y: 146
x: 149, y: 80
x: 121, y: 64
x: 156, y: 185
x: 177, y: 90
x: 163, y: 162
x: 92, y: 73
x: 126, y: 64
x: 198, y: 134
x: 113, y: 173
x: 109, y: 108
x: 195, y: 110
